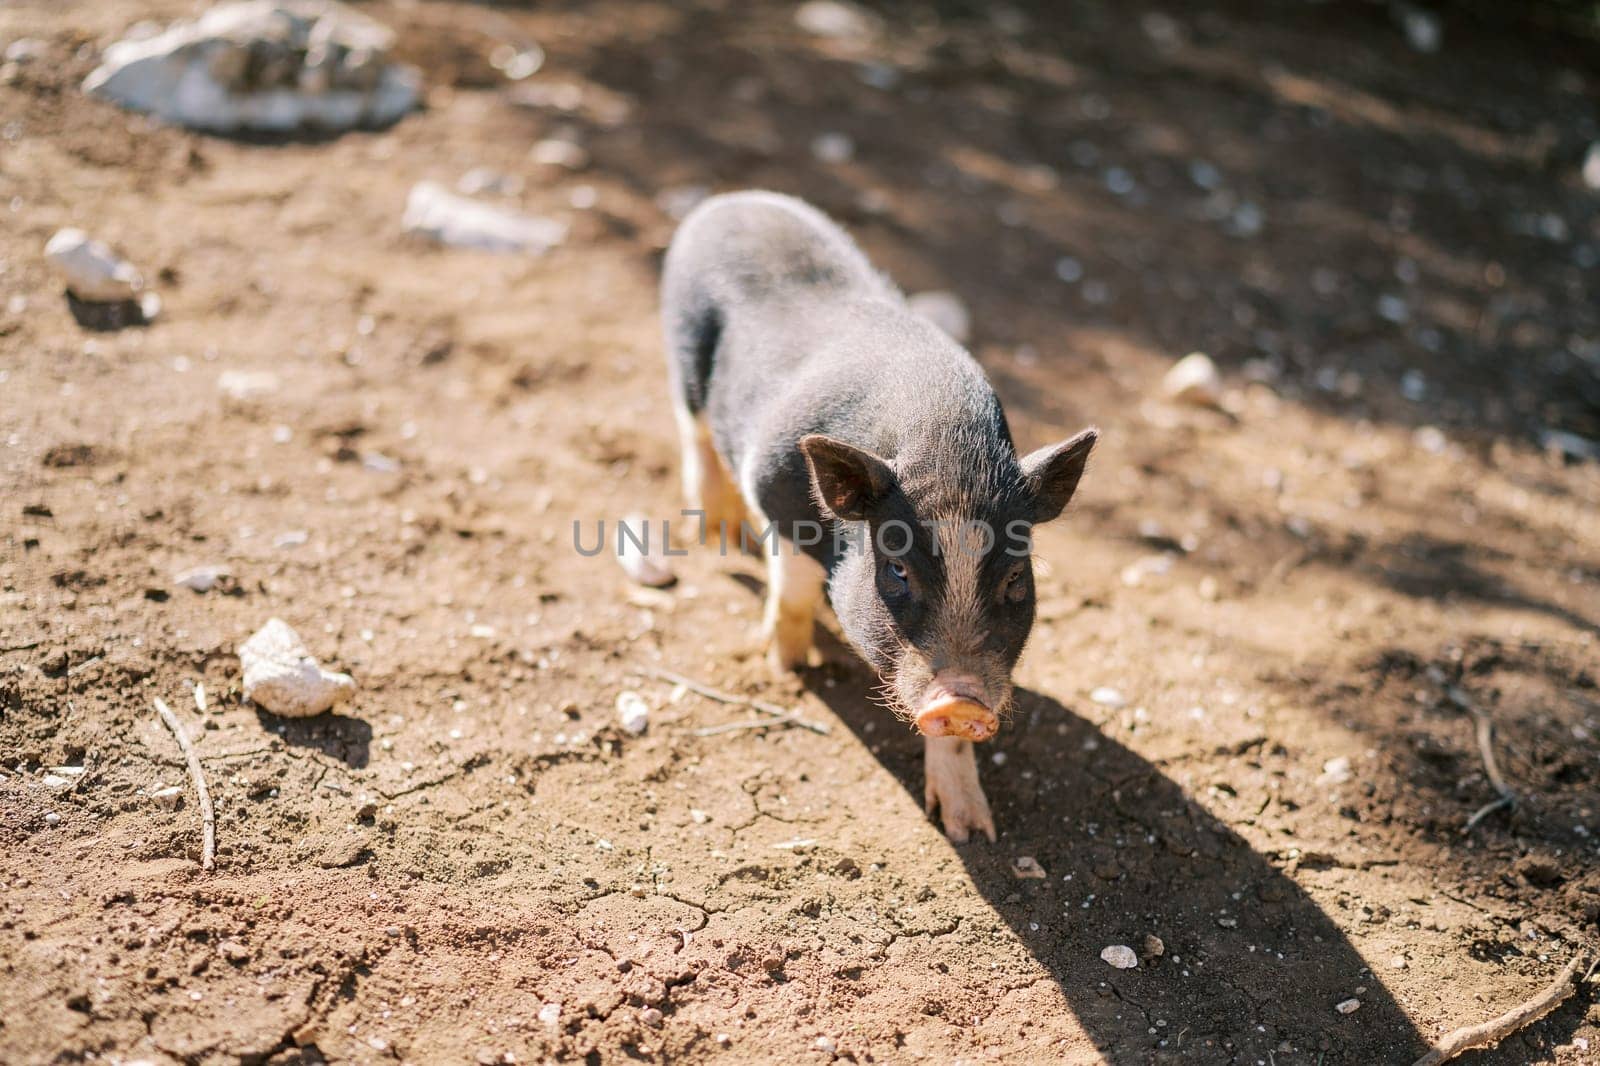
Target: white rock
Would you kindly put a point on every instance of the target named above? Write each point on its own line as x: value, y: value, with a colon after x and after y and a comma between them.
x: 1134, y: 573
x: 55, y: 781
x: 641, y: 559
x: 1109, y: 697
x: 1027, y: 868
x: 432, y: 211
x: 1120, y: 955
x: 167, y: 797
x: 833, y: 148
x: 945, y: 310
x: 830, y: 18
x: 281, y: 675
x: 1422, y: 28
x: 93, y: 271
x: 1335, y: 771
x: 555, y: 152
x: 1194, y: 380
x: 550, y: 1014
x: 271, y: 65
x: 633, y: 712
x: 200, y: 578
x: 1348, y: 1006
x: 246, y: 385
x: 826, y: 1044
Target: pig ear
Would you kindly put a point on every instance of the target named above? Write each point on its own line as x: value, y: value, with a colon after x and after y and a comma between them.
x: 848, y: 481
x: 1053, y: 473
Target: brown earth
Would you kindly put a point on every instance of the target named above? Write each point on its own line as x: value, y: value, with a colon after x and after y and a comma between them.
x: 1355, y: 557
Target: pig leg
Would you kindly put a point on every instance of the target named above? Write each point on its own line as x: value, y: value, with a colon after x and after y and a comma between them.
x: 794, y: 589
x: 707, y: 485
x: 952, y: 788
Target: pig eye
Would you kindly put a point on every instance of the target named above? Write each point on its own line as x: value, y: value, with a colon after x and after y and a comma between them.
x: 1017, y: 585
x: 897, y: 575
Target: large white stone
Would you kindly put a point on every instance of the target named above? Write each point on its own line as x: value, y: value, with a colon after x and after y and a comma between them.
x: 281, y: 676
x: 93, y: 271
x: 432, y: 211
x: 266, y: 65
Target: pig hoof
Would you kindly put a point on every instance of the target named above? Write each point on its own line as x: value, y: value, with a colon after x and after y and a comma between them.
x: 786, y: 661
x: 962, y: 807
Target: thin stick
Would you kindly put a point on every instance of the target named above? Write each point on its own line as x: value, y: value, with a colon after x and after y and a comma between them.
x: 208, y: 844
x: 727, y: 697
x: 1485, y: 734
x: 1495, y: 1030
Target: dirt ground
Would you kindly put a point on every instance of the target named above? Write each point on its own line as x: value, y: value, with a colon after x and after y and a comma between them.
x: 1303, y: 598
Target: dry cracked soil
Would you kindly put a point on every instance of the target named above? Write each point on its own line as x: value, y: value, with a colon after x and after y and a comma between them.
x: 1306, y: 598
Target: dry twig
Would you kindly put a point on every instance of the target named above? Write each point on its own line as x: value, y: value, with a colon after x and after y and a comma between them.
x: 208, y: 844
x: 789, y: 717
x: 1495, y: 1030
x: 1485, y: 734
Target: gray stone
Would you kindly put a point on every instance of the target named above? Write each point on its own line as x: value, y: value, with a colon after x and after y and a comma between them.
x: 266, y: 65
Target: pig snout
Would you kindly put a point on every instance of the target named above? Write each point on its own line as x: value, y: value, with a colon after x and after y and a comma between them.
x: 956, y: 705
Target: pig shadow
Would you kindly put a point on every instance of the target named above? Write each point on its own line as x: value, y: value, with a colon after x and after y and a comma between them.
x: 1251, y: 967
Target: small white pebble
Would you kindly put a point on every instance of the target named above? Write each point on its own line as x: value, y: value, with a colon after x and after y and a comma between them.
x: 1120, y: 955
x: 1349, y: 1006
x: 633, y: 712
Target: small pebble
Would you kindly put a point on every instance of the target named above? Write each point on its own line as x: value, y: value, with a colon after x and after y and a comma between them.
x: 633, y: 712
x: 200, y: 578
x: 826, y: 1044
x: 1027, y: 868
x: 1109, y: 697
x: 1121, y: 956
x: 52, y: 818
x: 830, y: 18
x: 1348, y: 1006
x: 1335, y: 771
x: 1193, y: 380
x: 833, y: 148
x: 92, y: 270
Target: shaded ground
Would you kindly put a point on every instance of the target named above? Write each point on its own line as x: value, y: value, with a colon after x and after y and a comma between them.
x: 1391, y: 256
